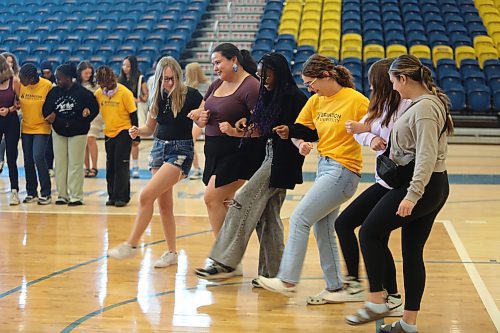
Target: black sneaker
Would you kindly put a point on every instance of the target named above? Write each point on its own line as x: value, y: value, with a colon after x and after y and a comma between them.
x: 120, y: 203
x: 110, y: 203
x: 215, y: 272
x: 45, y: 200
x: 61, y: 201
x: 75, y: 203
x: 255, y: 283
x: 30, y: 199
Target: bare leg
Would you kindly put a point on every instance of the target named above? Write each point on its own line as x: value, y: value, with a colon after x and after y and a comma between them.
x: 196, y: 132
x: 166, y: 204
x: 93, y: 151
x: 135, y: 150
x: 214, y: 200
x: 163, y: 180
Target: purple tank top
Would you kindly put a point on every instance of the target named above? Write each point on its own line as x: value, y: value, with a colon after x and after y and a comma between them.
x: 7, y: 96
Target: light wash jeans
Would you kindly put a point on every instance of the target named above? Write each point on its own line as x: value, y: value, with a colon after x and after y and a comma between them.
x: 255, y: 207
x: 333, y: 186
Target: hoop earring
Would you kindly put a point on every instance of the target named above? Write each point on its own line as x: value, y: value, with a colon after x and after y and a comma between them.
x: 235, y: 68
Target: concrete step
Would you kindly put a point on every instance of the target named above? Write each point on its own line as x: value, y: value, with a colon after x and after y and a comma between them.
x: 240, y: 34
x: 203, y: 46
x: 237, y: 10
x: 225, y: 25
x: 240, y: 2
x: 235, y: 17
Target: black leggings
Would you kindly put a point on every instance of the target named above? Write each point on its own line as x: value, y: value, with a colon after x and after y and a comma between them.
x: 352, y: 217
x: 414, y: 234
x: 11, y: 127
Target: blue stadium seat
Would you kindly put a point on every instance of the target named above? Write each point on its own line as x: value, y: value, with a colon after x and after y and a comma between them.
x: 457, y: 98
x: 257, y: 54
x: 469, y: 66
x: 473, y: 81
x: 492, y: 68
x: 496, y: 101
x: 479, y: 99
x: 303, y: 53
x: 438, y: 38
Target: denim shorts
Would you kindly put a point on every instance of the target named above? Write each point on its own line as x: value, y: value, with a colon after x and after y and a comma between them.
x: 176, y: 152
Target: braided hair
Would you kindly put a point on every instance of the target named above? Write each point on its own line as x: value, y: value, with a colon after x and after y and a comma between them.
x: 28, y: 72
x: 268, y: 108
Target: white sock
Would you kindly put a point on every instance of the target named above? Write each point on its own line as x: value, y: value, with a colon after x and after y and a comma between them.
x: 407, y: 327
x: 135, y: 164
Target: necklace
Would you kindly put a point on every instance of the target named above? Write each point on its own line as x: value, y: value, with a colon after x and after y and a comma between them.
x: 168, y: 106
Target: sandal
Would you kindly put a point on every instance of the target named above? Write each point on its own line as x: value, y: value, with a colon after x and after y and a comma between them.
x: 86, y: 173
x: 368, y: 316
x: 92, y: 173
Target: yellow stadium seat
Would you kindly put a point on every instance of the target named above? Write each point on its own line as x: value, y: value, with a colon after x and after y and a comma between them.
x: 329, y: 51
x: 395, y: 50
x: 329, y: 40
x: 441, y: 52
x: 351, y: 52
x: 464, y: 52
x: 330, y: 22
x: 493, y: 27
x: 310, y: 26
x: 486, y: 53
x: 421, y: 51
x: 330, y: 2
x: 289, y: 27
x: 315, y: 2
x: 308, y: 38
x: 352, y: 40
x: 496, y: 39
x: 483, y: 41
x: 291, y: 14
x: 312, y: 7
x: 480, y: 3
x: 373, y: 51
x: 330, y: 33
x: 310, y: 16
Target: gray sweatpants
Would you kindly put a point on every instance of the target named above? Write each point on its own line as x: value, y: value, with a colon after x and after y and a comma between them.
x: 255, y: 207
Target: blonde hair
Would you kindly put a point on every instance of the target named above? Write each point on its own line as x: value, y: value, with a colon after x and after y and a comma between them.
x: 317, y: 64
x: 178, y: 93
x: 411, y: 67
x: 6, y: 73
x: 194, y: 75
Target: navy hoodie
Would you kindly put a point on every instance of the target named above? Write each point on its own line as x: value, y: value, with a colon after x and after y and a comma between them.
x: 68, y: 106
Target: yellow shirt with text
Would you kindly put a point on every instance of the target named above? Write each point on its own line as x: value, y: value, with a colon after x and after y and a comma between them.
x: 116, y: 110
x: 31, y: 99
x: 328, y: 114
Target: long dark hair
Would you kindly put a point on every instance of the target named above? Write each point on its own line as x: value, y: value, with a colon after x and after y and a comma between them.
x: 243, y: 57
x: 268, y: 107
x: 133, y: 79
x: 382, y: 96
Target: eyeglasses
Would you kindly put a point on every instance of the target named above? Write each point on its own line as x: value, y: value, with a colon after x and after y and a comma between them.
x: 168, y: 78
x: 309, y: 84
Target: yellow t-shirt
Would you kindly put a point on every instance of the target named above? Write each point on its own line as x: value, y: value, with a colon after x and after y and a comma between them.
x: 115, y: 110
x: 328, y: 116
x: 31, y: 99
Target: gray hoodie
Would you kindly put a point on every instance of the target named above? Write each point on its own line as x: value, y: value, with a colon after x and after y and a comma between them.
x: 416, y: 136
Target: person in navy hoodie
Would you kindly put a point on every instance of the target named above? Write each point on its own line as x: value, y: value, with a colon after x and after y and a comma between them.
x: 70, y: 108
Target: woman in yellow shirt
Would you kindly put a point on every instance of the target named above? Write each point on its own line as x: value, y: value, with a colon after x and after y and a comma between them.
x: 339, y: 167
x: 35, y: 132
x: 119, y: 113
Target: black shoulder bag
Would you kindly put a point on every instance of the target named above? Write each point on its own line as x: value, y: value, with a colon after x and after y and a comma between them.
x: 397, y: 175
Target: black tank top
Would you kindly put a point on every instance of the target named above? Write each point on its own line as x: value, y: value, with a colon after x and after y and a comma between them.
x: 8, y: 95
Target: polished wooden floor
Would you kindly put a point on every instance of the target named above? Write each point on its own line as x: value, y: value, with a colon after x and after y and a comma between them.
x: 55, y: 277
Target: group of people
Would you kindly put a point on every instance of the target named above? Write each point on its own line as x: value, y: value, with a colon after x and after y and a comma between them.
x: 258, y: 127
x: 59, y: 116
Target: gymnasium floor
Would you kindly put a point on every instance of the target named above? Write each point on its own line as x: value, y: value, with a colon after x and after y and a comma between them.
x: 55, y: 277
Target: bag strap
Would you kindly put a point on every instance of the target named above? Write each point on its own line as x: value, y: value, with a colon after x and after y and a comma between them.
x: 388, y: 148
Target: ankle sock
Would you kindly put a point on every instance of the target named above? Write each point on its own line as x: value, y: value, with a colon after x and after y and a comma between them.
x: 407, y: 327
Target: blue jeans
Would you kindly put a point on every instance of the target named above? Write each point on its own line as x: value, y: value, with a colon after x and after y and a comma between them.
x: 333, y: 186
x: 34, y: 146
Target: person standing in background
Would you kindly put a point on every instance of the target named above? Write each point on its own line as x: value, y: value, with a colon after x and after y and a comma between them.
x: 86, y: 78
x: 35, y: 132
x: 119, y: 113
x: 48, y: 74
x: 9, y: 123
x: 132, y: 78
x: 14, y: 65
x: 70, y: 108
x: 196, y: 78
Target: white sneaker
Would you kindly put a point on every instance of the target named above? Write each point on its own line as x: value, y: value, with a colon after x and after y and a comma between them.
x: 276, y: 286
x: 395, y: 305
x: 196, y: 174
x: 168, y: 258
x: 14, y: 198
x: 122, y: 251
x: 135, y: 173
x: 351, y: 292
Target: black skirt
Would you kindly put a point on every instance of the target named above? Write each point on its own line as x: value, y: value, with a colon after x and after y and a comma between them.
x: 230, y: 158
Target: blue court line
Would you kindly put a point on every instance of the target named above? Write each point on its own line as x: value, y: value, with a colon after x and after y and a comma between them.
x: 67, y: 269
x: 366, y: 177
